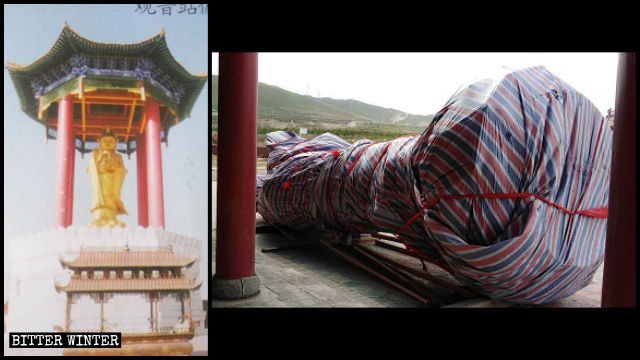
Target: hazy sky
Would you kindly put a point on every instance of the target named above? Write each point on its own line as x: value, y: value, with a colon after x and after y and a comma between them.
x: 421, y: 83
x: 29, y: 32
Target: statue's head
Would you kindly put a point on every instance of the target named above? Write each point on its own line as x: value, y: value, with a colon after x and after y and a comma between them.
x: 108, y: 139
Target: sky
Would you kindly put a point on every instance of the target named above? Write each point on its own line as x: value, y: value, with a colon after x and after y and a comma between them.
x: 421, y: 83
x: 29, y: 32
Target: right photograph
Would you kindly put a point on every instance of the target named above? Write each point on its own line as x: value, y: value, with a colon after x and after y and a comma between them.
x: 423, y: 180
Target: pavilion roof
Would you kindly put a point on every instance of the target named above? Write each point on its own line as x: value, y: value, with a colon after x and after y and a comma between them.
x: 107, y: 66
x: 127, y: 258
x: 127, y: 285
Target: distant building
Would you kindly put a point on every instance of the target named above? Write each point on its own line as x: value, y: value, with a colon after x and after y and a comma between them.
x: 610, y: 117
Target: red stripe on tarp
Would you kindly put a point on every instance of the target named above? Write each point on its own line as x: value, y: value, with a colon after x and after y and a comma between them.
x: 376, y: 165
x: 358, y: 158
x: 593, y: 161
x: 586, y: 186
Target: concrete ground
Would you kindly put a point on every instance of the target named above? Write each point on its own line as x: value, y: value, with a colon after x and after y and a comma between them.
x: 313, y: 276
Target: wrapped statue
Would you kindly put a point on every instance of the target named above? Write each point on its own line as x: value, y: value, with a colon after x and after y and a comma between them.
x: 507, y: 189
x: 107, y: 173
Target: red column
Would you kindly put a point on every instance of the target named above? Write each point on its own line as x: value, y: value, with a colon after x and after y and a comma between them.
x: 141, y: 161
x: 154, y: 164
x: 236, y: 213
x: 63, y: 200
x: 619, y: 278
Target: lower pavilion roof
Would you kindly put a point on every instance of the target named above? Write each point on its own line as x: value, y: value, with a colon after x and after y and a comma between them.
x: 128, y: 285
x: 162, y: 257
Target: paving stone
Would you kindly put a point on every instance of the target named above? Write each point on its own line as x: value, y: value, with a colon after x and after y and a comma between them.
x: 314, y: 277
x: 293, y: 294
x: 278, y: 287
x: 330, y: 283
x: 339, y: 278
x: 320, y: 291
x: 348, y: 304
x: 309, y: 303
x: 266, y: 298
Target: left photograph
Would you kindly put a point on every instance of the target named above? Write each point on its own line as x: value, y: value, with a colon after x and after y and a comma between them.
x: 106, y: 171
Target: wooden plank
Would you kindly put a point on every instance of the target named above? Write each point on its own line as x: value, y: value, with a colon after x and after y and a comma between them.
x: 398, y: 249
x: 424, y: 275
x: 434, y: 299
x: 375, y: 273
x: 385, y: 236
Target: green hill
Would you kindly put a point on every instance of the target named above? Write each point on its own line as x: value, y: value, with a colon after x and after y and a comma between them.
x: 282, y: 105
x: 352, y: 119
x: 381, y: 114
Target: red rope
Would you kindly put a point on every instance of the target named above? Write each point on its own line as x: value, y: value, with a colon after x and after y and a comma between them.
x: 358, y: 158
x: 410, y: 221
x: 601, y: 212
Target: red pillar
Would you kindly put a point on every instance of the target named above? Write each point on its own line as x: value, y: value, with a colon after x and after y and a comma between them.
x: 236, y: 212
x: 141, y: 161
x: 619, y: 278
x: 154, y: 164
x: 63, y: 191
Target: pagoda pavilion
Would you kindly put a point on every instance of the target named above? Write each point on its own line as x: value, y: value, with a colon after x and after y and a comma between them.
x: 80, y: 87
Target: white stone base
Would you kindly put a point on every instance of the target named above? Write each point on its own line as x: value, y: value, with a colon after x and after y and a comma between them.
x: 34, y: 304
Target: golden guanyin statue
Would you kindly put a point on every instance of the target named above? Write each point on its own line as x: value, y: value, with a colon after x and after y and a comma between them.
x: 107, y: 173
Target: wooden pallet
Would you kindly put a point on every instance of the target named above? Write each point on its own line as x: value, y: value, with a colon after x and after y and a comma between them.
x: 382, y: 256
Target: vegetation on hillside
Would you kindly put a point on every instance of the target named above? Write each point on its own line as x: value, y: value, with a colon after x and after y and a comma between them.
x: 378, y: 113
x: 279, y: 104
x: 279, y: 109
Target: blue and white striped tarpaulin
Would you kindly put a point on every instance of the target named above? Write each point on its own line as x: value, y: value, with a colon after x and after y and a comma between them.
x: 506, y: 189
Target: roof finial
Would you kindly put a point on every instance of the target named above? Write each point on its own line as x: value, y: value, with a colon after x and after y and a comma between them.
x: 162, y: 30
x: 66, y: 24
